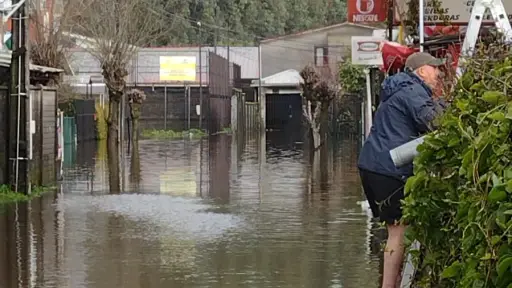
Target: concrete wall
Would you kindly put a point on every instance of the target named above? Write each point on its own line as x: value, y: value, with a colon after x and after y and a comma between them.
x: 297, y: 51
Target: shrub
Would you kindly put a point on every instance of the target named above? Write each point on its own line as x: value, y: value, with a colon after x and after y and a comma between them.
x: 459, y: 202
x: 101, y: 121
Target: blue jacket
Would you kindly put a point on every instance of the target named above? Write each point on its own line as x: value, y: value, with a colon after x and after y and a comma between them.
x: 405, y: 112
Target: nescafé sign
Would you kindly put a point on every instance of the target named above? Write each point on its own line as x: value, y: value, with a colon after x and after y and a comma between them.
x: 451, y: 11
x: 366, y: 11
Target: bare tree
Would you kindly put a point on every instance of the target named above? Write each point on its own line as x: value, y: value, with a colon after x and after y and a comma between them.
x: 135, y: 99
x: 48, y: 43
x: 117, y: 29
x: 319, y: 88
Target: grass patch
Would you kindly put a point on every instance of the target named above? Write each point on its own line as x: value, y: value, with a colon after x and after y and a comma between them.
x: 227, y: 130
x: 171, y: 134
x: 8, y: 196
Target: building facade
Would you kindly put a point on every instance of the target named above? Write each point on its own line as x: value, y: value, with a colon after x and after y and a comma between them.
x: 325, y: 46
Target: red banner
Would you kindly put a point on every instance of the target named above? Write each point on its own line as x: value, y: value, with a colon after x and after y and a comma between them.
x: 367, y: 11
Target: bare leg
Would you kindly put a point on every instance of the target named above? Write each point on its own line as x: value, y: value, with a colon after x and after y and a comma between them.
x: 393, y: 255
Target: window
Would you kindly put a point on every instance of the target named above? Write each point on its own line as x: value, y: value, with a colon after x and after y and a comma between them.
x: 321, y: 56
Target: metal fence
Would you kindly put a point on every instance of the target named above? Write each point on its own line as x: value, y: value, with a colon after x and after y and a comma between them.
x: 345, y: 117
x: 252, y: 115
x: 172, y: 104
x: 85, y: 120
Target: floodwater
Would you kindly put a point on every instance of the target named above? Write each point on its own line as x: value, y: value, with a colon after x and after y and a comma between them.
x: 196, y: 214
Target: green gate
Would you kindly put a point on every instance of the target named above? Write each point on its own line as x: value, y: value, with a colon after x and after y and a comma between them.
x: 69, y: 130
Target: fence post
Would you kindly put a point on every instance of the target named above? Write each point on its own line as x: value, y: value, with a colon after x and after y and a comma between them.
x: 165, y: 106
x: 188, y: 107
x: 234, y: 111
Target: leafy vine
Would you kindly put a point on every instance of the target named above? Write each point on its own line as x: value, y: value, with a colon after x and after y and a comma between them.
x: 459, y: 202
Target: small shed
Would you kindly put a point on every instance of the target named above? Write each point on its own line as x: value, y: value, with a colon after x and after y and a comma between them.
x: 43, y: 101
x: 283, y: 99
x: 284, y: 82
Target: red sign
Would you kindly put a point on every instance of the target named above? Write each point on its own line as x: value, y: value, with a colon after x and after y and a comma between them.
x: 367, y: 11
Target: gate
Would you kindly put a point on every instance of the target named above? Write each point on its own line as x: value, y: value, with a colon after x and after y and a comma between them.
x: 284, y: 111
x: 85, y: 122
x: 345, y: 117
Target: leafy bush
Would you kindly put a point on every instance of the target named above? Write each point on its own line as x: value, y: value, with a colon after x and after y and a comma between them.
x: 459, y: 203
x: 101, y: 121
x: 352, y: 78
x: 7, y: 196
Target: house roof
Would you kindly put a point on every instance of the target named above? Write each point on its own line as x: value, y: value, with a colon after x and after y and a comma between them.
x: 321, y: 29
x: 286, y: 78
x: 5, y: 61
x: 146, y: 65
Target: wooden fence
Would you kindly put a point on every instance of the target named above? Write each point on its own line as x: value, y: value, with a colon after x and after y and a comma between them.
x: 251, y: 116
x: 43, y: 166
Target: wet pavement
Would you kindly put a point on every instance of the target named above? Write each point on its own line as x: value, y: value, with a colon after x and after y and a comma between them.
x: 198, y: 213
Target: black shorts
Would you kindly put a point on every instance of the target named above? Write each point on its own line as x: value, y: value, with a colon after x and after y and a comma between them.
x: 384, y: 194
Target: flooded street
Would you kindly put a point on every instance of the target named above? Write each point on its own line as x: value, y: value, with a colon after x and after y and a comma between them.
x: 196, y: 213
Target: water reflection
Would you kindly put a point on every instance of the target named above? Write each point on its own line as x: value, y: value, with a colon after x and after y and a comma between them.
x: 193, y: 215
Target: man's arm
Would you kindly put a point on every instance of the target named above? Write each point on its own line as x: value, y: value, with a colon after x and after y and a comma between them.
x: 424, y: 109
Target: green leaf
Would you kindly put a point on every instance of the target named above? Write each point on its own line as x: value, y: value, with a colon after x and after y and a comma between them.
x: 508, y: 188
x: 454, y: 142
x: 495, y: 240
x: 495, y: 180
x: 509, y: 110
x: 497, y: 116
x: 497, y: 194
x: 504, y: 266
x: 494, y: 97
x: 452, y: 270
x: 478, y: 284
x: 487, y: 256
x: 507, y: 174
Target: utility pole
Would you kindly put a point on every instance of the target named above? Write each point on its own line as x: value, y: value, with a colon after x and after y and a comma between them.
x: 19, y: 128
x: 261, y: 94
x: 227, y: 57
x: 200, y: 44
x: 216, y: 30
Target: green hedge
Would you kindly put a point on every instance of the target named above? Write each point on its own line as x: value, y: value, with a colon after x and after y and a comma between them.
x: 459, y: 203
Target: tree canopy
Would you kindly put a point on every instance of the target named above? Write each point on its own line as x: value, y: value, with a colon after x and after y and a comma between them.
x: 242, y: 22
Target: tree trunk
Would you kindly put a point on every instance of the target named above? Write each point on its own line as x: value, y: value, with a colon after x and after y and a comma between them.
x: 113, y: 142
x: 320, y: 168
x: 135, y: 115
x: 135, y: 167
x: 317, y: 137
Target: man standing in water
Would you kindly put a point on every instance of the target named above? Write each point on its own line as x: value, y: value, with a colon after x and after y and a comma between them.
x: 407, y: 108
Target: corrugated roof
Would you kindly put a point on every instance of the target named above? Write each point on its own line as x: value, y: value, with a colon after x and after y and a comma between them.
x: 288, y: 78
x: 146, y: 65
x: 5, y: 61
x: 321, y: 29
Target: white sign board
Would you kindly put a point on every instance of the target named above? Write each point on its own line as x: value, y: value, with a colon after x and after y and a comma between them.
x: 384, y: 34
x: 453, y: 11
x: 366, y: 51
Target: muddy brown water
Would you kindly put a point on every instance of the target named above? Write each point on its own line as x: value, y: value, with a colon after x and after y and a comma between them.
x: 196, y: 214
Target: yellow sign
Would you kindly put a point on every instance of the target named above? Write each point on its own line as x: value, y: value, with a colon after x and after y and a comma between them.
x: 177, y: 68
